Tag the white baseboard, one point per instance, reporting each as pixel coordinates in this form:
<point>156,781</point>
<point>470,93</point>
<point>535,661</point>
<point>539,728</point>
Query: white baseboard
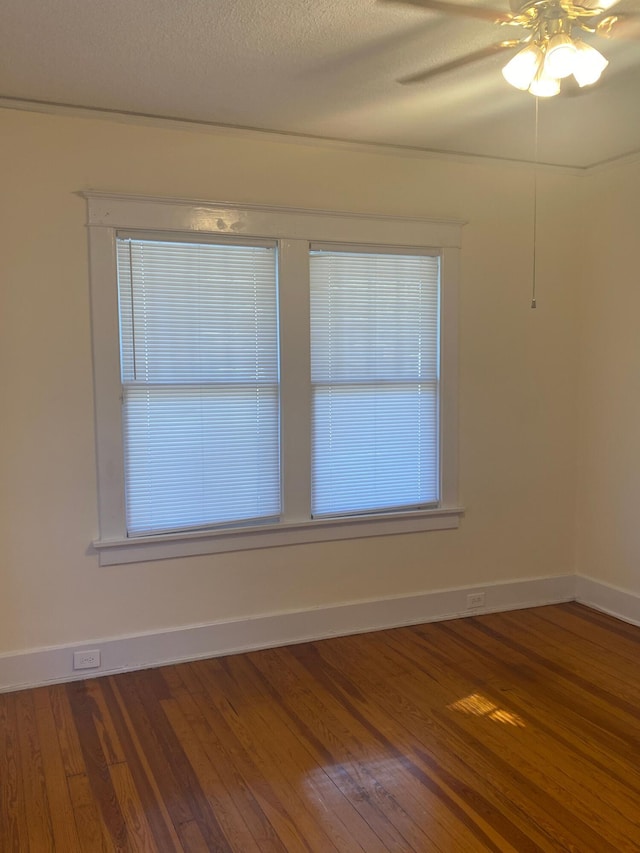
<point>609,599</point>
<point>36,667</point>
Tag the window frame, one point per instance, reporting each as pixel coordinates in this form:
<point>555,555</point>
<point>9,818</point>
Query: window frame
<point>144,344</point>
<point>330,282</point>
<point>295,230</point>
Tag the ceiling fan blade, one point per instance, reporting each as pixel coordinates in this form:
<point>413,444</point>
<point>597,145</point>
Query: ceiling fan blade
<point>459,63</point>
<point>604,5</point>
<point>624,25</point>
<point>493,16</point>
<point>601,5</point>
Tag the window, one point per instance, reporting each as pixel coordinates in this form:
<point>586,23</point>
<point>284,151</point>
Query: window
<point>199,365</point>
<point>374,374</point>
<point>268,376</point>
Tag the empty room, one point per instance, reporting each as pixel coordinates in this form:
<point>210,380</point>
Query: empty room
<point>320,467</point>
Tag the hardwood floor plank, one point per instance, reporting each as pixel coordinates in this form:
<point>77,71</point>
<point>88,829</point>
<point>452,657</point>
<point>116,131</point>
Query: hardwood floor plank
<point>321,734</point>
<point>223,752</point>
<point>572,785</point>
<point>465,804</point>
<point>84,712</point>
<point>61,807</point>
<point>559,793</point>
<point>188,680</point>
<point>506,688</point>
<point>283,748</point>
<point>627,635</point>
<point>515,669</point>
<point>192,839</point>
<point>550,647</point>
<point>174,678</point>
<point>394,803</point>
<point>139,831</point>
<point>513,732</point>
<point>149,790</point>
<point>577,619</point>
<point>468,805</point>
<point>603,765</point>
<point>38,815</point>
<point>454,755</point>
<point>14,836</point>
<point>261,788</point>
<point>282,796</point>
<point>185,801</point>
<point>618,718</point>
<point>606,668</point>
<point>66,730</point>
<point>227,813</point>
<point>107,734</point>
<point>93,834</point>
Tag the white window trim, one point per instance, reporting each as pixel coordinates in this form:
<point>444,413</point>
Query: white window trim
<point>295,230</point>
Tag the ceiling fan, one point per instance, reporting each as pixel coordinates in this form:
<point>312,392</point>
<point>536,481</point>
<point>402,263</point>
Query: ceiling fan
<point>550,50</point>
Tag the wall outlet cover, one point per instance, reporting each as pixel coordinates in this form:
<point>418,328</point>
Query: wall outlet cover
<point>86,659</point>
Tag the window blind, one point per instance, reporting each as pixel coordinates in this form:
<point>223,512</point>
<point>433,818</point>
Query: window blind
<point>200,394</point>
<point>375,379</point>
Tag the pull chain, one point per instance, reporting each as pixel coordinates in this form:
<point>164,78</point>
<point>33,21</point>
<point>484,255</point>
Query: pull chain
<point>535,209</point>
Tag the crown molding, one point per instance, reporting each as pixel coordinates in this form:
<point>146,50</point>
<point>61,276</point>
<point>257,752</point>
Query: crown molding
<point>278,136</point>
<point>629,159</point>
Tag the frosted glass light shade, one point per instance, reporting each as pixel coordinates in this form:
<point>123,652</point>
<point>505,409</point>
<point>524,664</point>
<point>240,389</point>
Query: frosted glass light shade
<point>543,86</point>
<point>560,59</point>
<point>523,67</point>
<point>589,64</point>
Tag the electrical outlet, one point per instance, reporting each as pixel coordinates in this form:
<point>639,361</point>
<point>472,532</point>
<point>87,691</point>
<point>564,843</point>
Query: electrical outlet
<point>87,659</point>
<point>475,599</point>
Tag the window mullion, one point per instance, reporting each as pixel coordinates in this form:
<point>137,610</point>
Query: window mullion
<point>295,388</point>
<point>448,376</point>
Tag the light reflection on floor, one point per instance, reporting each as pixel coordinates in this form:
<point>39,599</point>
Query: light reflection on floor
<point>480,706</point>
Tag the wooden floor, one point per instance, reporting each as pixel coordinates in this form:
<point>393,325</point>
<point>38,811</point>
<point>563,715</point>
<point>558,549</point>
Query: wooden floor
<point>510,732</point>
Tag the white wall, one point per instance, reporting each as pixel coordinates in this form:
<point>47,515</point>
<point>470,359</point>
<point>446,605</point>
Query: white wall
<point>517,388</point>
<point>608,528</point>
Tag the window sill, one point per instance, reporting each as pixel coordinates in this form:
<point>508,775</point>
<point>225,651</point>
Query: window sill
<point>168,546</point>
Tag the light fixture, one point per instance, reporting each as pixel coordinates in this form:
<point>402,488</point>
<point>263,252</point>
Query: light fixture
<point>560,55</point>
<point>547,49</point>
<point>523,67</point>
<point>589,63</point>
<point>544,86</point>
<point>549,57</point>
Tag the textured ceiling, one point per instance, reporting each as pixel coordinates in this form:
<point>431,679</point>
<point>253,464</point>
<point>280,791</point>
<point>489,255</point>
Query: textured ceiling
<point>326,68</point>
